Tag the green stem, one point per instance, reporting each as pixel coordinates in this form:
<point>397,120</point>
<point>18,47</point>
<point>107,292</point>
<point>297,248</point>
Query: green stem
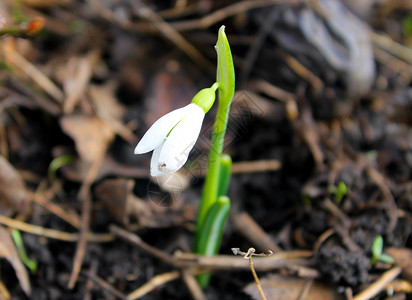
<point>214,207</point>
<point>212,178</point>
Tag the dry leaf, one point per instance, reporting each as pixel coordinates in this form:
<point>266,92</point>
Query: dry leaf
<point>12,189</point>
<point>117,195</point>
<point>77,169</point>
<point>403,258</point>
<point>8,251</point>
<point>90,134</point>
<point>77,74</point>
<point>279,287</point>
<point>110,110</point>
<point>4,293</point>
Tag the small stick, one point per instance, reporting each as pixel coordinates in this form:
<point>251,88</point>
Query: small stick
<point>90,283</point>
<point>303,72</point>
<point>379,284</point>
<point>153,283</point>
<point>386,43</point>
<point>82,242</point>
<point>104,284</point>
<point>52,233</point>
<point>137,241</point>
<point>226,262</point>
<point>305,290</point>
<point>193,286</point>
<point>4,292</point>
<point>256,166</point>
<point>173,35</point>
<point>244,223</point>
<point>13,57</point>
<point>248,255</point>
<point>67,215</point>
<point>85,196</point>
<point>226,12</point>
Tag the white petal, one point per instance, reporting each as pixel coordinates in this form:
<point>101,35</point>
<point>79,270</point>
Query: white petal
<point>181,140</point>
<point>158,131</point>
<point>154,163</point>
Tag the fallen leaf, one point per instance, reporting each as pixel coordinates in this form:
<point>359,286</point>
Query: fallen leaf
<point>278,287</point>
<point>8,251</point>
<point>78,168</point>
<point>403,258</point>
<point>4,293</point>
<point>110,110</point>
<point>78,72</point>
<point>91,135</point>
<point>117,196</point>
<point>13,192</point>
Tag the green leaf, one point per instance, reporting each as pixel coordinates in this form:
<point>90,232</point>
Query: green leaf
<point>31,264</point>
<point>341,191</point>
<point>386,258</point>
<point>407,25</point>
<point>377,247</point>
<point>224,174</point>
<point>57,163</point>
<point>212,231</point>
<point>225,69</point>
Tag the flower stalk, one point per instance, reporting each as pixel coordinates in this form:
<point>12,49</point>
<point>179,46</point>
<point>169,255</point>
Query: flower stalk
<point>215,205</point>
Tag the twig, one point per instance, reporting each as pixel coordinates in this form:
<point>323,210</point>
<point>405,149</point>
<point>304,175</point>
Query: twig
<point>4,148</point>
<point>380,181</point>
<point>256,46</point>
<point>82,242</point>
<point>193,286</point>
<point>173,35</point>
<point>137,241</point>
<point>373,289</point>
<point>69,216</point>
<point>84,195</point>
<point>12,56</point>
<point>331,207</point>
<point>303,72</point>
<point>389,45</point>
<point>272,91</point>
<point>253,232</point>
<point>226,12</point>
<point>54,234</point>
<point>155,282</point>
<point>4,293</point>
<point>90,283</point>
<point>264,165</point>
<point>248,255</point>
<point>226,262</point>
<point>256,166</point>
<point>104,284</point>
<point>305,290</point>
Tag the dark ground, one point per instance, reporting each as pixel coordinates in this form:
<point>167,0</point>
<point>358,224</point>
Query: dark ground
<point>319,94</point>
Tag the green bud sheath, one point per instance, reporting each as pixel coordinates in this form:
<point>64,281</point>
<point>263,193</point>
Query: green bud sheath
<point>206,97</point>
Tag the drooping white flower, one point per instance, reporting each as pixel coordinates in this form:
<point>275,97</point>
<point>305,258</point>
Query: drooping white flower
<point>172,137</point>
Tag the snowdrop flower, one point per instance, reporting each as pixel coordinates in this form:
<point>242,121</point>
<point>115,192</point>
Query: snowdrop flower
<point>173,136</point>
